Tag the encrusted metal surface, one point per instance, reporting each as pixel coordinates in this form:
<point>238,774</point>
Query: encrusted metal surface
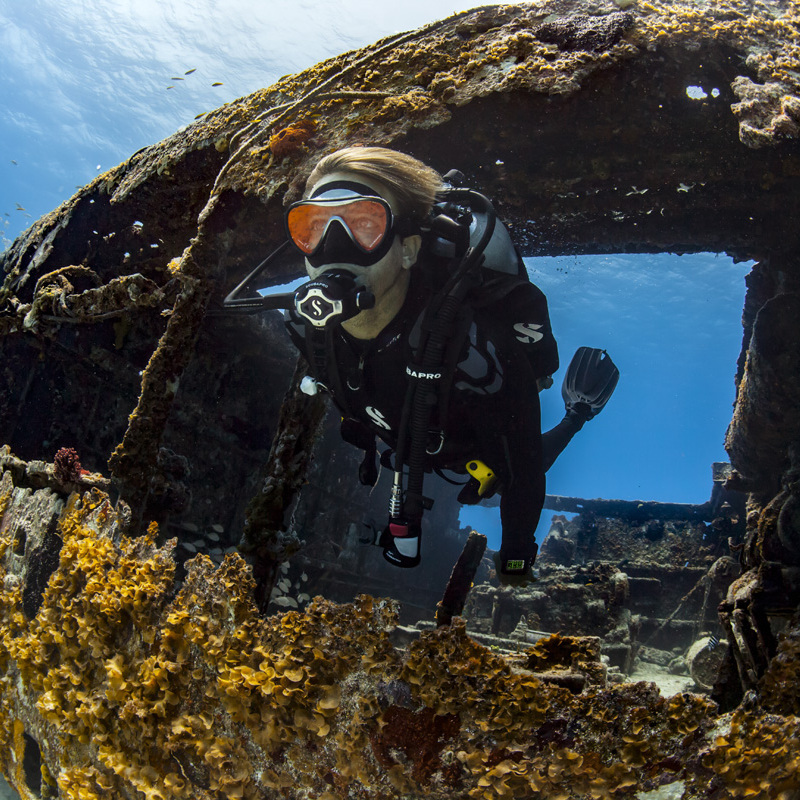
<point>575,116</point>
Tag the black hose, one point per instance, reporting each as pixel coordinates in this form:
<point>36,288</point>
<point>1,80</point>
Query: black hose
<point>423,402</point>
<point>424,394</point>
<point>253,304</point>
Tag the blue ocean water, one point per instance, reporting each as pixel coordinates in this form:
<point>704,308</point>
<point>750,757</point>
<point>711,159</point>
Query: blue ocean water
<point>672,324</point>
<point>87,84</point>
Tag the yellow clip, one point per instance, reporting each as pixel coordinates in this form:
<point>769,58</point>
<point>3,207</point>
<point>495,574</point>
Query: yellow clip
<point>482,474</point>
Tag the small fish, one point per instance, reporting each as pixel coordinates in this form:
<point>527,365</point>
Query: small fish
<point>19,207</point>
<point>218,83</point>
<point>201,114</point>
<point>13,162</point>
<point>178,79</point>
<point>190,71</point>
<point>713,641</point>
<point>170,87</point>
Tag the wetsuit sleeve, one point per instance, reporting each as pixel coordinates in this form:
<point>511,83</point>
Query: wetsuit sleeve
<point>510,442</point>
<point>508,424</point>
<point>525,312</point>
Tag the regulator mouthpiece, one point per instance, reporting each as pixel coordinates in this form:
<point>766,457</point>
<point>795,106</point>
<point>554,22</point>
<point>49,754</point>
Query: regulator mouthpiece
<point>331,299</point>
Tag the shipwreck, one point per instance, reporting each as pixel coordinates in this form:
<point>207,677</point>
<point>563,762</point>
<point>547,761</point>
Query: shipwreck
<point>164,633</point>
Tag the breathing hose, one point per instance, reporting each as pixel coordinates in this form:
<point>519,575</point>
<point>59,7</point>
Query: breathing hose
<point>422,392</point>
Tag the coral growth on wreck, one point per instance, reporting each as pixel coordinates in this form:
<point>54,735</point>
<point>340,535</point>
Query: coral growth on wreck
<point>132,686</point>
<point>289,140</point>
<point>117,681</point>
<point>67,465</point>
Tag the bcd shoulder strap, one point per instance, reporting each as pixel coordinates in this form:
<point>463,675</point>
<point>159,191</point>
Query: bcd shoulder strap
<point>494,287</point>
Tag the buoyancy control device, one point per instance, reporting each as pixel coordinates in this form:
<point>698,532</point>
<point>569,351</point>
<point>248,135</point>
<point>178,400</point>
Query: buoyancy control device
<point>466,248</point>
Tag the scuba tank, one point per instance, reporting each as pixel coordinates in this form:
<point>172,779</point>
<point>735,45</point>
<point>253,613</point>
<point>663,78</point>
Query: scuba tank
<point>458,220</point>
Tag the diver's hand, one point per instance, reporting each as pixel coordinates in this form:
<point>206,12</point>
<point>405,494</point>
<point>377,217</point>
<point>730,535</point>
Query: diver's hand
<point>513,572</point>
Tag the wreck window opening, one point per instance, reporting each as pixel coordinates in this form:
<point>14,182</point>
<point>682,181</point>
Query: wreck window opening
<point>672,324</point>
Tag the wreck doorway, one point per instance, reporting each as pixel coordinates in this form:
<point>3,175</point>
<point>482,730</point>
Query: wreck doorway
<point>673,326</point>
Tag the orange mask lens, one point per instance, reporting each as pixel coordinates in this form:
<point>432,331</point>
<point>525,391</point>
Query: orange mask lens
<point>367,220</point>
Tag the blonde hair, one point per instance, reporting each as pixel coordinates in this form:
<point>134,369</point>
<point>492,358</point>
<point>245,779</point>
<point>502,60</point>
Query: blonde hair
<point>413,184</point>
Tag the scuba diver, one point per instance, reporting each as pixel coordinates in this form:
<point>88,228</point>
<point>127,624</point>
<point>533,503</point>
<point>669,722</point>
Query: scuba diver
<point>422,324</point>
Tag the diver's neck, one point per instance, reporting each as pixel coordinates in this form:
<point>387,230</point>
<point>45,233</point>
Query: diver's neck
<point>368,324</point>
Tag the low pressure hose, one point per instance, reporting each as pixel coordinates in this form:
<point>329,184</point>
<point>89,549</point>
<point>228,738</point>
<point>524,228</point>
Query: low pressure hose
<point>417,415</point>
<point>424,400</point>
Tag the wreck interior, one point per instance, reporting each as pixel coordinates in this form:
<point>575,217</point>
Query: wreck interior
<point>193,437</point>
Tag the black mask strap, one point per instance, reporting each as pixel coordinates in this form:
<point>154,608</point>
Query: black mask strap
<point>350,186</point>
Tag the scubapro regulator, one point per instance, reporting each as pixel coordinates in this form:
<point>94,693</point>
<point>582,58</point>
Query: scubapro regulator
<point>331,299</point>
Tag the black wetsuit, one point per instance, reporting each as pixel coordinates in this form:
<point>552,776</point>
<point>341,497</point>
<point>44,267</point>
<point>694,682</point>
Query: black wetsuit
<point>491,411</point>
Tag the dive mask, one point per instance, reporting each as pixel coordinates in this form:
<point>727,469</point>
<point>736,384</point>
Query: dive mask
<point>342,223</point>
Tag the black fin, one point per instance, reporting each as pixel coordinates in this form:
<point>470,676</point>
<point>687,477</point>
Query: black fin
<point>590,381</point>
